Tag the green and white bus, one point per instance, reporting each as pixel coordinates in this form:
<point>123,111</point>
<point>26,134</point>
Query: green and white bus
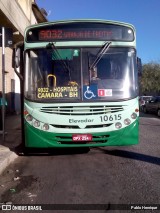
<point>80,84</point>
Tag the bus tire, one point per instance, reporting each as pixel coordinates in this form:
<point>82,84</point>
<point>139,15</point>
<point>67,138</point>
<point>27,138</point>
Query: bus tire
<point>24,152</point>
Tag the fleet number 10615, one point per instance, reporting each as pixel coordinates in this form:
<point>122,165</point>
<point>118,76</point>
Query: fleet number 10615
<point>111,117</point>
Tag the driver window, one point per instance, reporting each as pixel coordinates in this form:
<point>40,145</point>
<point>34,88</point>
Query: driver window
<point>109,68</point>
<point>104,69</point>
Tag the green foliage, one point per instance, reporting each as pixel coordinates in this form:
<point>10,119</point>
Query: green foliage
<point>150,80</point>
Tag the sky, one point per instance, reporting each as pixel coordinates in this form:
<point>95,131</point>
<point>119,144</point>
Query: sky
<point>143,14</point>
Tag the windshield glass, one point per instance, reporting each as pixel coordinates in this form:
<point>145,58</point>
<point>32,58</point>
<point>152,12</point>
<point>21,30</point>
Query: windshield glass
<point>67,74</point>
<point>114,76</point>
<point>53,74</point>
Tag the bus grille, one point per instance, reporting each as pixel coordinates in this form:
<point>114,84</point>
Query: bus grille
<point>81,110</point>
<point>77,127</point>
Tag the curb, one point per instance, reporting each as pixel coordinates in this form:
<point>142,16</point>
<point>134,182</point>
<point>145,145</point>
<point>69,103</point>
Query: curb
<point>6,157</point>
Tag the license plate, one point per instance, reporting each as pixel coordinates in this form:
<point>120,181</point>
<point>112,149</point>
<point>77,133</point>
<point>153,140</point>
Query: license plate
<point>82,137</point>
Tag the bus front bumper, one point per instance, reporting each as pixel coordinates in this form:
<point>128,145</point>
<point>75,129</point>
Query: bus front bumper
<point>35,138</point>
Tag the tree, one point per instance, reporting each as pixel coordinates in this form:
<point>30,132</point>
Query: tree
<point>150,80</point>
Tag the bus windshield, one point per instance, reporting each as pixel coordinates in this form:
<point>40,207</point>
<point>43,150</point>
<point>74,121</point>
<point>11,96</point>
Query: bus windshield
<point>67,74</point>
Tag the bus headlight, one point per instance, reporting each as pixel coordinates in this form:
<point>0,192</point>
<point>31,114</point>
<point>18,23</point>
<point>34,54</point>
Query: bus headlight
<point>29,118</point>
<point>46,127</point>
<point>118,125</point>
<point>36,123</point>
<point>134,115</point>
<point>127,121</point>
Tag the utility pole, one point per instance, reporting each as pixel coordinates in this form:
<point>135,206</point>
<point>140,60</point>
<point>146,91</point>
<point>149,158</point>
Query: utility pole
<point>3,83</point>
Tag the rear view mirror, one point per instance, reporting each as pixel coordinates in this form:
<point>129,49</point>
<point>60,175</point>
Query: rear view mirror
<point>17,59</point>
<point>139,66</point>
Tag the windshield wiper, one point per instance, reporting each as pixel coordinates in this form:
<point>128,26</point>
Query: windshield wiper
<point>51,45</point>
<point>100,54</point>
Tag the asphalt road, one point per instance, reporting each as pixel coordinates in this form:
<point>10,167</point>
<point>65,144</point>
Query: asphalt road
<point>110,175</point>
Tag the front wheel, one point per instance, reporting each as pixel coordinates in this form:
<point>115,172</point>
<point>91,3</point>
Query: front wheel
<point>158,112</point>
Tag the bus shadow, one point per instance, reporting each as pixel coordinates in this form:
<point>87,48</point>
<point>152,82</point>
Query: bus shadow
<point>84,150</point>
<point>132,155</point>
<point>50,151</point>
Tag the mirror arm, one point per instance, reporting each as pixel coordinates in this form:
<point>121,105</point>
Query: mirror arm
<point>19,44</point>
<point>18,74</point>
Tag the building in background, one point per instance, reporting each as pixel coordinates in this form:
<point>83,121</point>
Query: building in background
<point>16,14</point>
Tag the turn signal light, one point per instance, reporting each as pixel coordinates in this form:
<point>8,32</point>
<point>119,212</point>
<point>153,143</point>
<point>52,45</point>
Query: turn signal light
<point>127,121</point>
<point>46,127</point>
<point>118,125</point>
<point>134,115</point>
<point>36,123</point>
<point>29,118</point>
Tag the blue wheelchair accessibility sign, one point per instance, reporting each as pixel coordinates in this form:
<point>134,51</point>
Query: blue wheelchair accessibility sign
<point>90,92</point>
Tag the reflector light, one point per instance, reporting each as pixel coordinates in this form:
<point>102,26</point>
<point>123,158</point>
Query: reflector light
<point>25,112</point>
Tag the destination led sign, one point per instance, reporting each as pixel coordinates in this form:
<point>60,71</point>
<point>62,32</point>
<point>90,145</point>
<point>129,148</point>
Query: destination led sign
<point>45,35</point>
<point>79,32</point>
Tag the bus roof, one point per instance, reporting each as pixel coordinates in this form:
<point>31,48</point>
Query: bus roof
<point>82,20</point>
